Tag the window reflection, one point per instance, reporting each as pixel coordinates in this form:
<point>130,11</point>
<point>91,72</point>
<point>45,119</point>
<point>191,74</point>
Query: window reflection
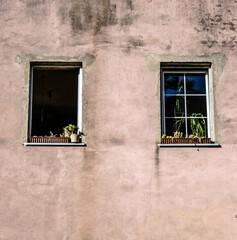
<point>174,83</point>
<point>195,83</point>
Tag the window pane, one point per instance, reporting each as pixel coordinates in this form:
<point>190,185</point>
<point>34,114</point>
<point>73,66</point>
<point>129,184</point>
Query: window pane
<point>196,105</point>
<point>174,106</point>
<point>174,83</point>
<point>195,83</point>
<point>174,124</point>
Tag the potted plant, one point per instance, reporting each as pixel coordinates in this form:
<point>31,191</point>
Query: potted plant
<point>72,130</point>
<point>199,128</point>
<point>49,139</point>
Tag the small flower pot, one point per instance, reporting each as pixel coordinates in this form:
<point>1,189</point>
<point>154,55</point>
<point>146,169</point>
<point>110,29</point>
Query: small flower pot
<point>74,138</point>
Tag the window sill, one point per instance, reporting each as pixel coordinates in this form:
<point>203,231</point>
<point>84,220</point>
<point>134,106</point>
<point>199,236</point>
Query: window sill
<point>55,144</point>
<point>194,145</point>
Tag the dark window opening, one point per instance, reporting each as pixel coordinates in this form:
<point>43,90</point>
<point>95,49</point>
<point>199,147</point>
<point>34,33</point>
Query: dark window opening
<point>54,99</point>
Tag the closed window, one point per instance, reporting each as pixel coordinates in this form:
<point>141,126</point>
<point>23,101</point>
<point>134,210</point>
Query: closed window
<point>186,103</point>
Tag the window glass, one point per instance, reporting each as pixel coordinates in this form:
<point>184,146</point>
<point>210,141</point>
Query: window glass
<point>185,102</point>
<point>175,124</point>
<point>174,83</point>
<point>195,83</point>
<point>196,105</point>
<point>174,106</point>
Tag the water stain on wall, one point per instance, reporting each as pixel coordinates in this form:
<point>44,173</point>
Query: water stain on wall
<point>134,43</point>
<point>128,19</point>
<point>37,10</point>
<point>34,3</point>
<point>217,22</point>
<point>91,15</point>
<point>129,4</point>
<point>80,16</point>
<point>105,17</point>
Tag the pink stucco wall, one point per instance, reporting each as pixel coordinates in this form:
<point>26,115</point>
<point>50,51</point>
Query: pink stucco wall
<point>122,185</point>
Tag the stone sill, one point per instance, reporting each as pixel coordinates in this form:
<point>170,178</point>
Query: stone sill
<point>194,145</point>
<point>55,144</point>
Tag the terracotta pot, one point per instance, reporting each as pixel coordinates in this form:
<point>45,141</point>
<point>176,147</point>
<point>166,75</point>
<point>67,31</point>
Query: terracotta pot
<point>49,139</point>
<point>167,140</point>
<point>185,140</point>
<point>205,140</point>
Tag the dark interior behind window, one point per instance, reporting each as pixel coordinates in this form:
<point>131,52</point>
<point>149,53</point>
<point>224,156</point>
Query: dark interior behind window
<point>54,100</point>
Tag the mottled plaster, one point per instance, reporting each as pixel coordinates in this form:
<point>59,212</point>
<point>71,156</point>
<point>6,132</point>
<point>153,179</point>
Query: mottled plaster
<point>121,185</point>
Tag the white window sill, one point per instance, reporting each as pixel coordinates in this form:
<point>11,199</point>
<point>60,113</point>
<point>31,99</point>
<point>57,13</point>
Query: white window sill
<point>56,144</point>
<point>198,145</point>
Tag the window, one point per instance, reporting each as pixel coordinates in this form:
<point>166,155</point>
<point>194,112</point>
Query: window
<point>186,102</point>
<point>55,98</point>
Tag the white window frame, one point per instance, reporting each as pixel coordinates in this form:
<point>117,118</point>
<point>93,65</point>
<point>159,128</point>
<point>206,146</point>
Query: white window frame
<point>209,102</point>
<point>56,66</point>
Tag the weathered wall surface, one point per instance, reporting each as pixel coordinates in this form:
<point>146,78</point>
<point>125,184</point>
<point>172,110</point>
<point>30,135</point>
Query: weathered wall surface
<point>121,186</point>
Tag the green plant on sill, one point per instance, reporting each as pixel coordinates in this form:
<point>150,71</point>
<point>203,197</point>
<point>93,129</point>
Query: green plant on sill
<point>178,134</point>
<point>71,128</point>
<point>52,135</point>
<point>198,126</point>
<point>177,125</point>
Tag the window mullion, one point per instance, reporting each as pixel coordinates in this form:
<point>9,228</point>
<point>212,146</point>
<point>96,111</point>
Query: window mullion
<point>185,107</point>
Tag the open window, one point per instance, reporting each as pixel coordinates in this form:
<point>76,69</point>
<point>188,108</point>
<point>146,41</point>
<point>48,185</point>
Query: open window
<point>186,103</point>
<point>55,101</point>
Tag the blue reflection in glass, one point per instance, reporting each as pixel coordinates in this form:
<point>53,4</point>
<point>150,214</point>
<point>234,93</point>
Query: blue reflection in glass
<point>174,83</point>
<point>195,83</point>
